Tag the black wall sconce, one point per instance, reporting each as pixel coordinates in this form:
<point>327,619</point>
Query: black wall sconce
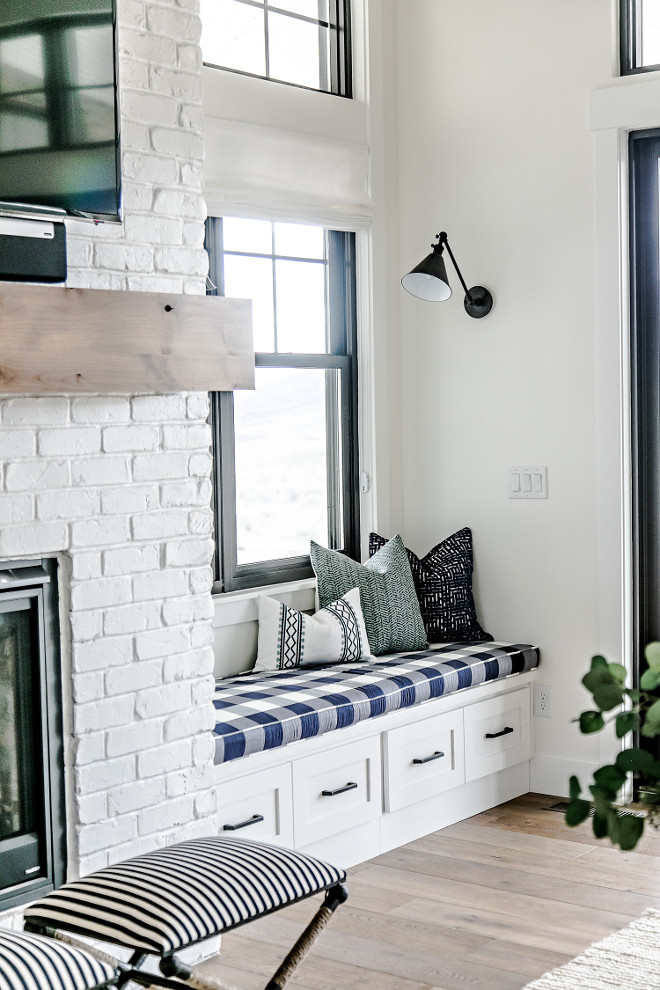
<point>428,280</point>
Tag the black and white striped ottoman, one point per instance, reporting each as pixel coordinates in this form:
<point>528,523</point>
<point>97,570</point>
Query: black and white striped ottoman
<point>164,901</point>
<point>31,962</point>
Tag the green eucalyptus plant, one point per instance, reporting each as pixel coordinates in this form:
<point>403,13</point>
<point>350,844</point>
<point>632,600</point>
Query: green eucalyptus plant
<point>631,710</point>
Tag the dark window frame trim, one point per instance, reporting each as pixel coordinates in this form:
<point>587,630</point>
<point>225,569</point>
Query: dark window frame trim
<point>644,249</point>
<point>629,41</point>
<point>340,74</point>
<point>342,312</point>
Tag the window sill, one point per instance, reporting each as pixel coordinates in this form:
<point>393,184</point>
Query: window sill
<point>235,607</point>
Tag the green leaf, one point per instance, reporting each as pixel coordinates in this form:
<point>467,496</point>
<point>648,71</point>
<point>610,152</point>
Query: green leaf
<point>610,778</point>
<point>634,760</point>
<point>631,828</point>
<point>633,695</point>
<point>650,679</point>
<point>649,731</point>
<point>653,717</point>
<point>652,654</point>
<point>577,812</point>
<point>591,722</point>
<point>613,826</point>
<point>597,678</point>
<point>618,672</point>
<point>598,661</point>
<point>626,722</point>
<point>603,797</point>
<point>608,696</point>
<point>574,788</point>
<point>599,825</point>
<point>649,795</point>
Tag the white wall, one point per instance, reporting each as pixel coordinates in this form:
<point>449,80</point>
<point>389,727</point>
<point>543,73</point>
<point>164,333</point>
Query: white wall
<point>494,148</point>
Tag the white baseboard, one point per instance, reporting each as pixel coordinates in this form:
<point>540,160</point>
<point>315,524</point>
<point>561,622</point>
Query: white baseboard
<point>550,776</point>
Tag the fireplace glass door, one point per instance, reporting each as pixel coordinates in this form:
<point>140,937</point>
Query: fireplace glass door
<point>21,756</point>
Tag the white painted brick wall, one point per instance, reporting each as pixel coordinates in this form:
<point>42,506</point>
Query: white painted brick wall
<point>140,610</point>
<point>119,488</point>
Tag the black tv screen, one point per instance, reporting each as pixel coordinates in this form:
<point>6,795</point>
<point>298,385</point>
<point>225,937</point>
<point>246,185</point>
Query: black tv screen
<point>59,135</point>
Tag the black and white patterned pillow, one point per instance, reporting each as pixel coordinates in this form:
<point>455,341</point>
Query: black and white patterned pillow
<point>443,582</point>
<point>289,638</point>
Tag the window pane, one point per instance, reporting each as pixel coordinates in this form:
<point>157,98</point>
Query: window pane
<point>301,320</point>
<point>253,236</point>
<point>281,464</point>
<point>233,35</point>
<point>91,56</point>
<point>308,8</point>
<point>298,240</point>
<point>650,31</point>
<point>22,64</point>
<point>252,278</point>
<point>294,51</point>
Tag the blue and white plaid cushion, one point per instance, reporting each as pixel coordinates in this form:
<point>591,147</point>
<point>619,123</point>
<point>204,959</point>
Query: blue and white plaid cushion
<point>31,962</point>
<point>259,712</point>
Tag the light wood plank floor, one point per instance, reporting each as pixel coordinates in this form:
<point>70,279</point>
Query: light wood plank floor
<point>490,904</point>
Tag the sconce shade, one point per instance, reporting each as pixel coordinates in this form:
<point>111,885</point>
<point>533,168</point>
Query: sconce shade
<point>428,280</point>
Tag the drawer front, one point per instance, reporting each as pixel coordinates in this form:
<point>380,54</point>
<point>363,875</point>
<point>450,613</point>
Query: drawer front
<point>497,734</point>
<point>258,806</point>
<point>423,759</point>
<point>335,790</point>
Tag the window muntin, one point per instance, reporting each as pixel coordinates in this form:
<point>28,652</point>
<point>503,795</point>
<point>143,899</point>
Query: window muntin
<point>301,42</point>
<point>639,35</point>
<point>286,454</point>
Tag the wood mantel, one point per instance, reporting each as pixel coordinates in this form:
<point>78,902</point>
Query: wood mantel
<point>54,339</point>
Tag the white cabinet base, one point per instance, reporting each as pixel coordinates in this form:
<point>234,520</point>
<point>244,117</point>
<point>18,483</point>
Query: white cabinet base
<point>354,793</point>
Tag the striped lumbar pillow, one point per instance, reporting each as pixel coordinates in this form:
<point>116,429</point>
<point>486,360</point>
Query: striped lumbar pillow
<point>31,962</point>
<point>387,593</point>
<point>288,638</point>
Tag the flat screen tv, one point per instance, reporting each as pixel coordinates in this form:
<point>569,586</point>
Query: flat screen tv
<point>59,130</point>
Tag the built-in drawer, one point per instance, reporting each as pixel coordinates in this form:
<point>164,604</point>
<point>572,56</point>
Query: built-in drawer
<point>335,790</point>
<point>258,806</point>
<point>423,759</point>
<point>497,734</point>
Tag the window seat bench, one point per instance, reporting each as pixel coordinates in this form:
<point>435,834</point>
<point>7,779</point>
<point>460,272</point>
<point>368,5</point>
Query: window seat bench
<point>347,761</point>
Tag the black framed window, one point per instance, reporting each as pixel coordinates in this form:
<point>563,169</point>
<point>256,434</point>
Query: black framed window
<point>645,393</point>
<point>302,42</point>
<point>286,455</point>
<point>639,35</point>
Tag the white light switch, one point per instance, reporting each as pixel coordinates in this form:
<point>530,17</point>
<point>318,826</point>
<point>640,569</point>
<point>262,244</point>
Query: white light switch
<point>528,482</point>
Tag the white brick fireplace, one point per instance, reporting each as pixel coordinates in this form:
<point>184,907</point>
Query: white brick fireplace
<point>118,489</point>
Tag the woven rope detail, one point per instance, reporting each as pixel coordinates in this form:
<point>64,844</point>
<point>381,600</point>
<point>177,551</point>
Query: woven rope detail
<point>85,947</point>
<point>293,959</point>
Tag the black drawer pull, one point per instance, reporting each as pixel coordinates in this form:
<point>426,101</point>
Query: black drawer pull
<point>427,759</point>
<point>250,821</point>
<point>496,735</point>
<point>350,786</point>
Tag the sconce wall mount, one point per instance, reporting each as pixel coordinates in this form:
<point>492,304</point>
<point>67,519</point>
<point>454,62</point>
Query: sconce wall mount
<point>428,280</point>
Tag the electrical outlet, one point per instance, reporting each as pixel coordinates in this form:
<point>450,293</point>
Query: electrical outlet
<point>543,700</point>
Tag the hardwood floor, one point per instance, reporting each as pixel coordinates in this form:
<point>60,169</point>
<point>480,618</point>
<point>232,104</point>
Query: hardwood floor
<point>490,903</point>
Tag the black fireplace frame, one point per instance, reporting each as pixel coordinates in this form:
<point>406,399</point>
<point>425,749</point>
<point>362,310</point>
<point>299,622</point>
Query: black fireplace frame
<point>37,579</point>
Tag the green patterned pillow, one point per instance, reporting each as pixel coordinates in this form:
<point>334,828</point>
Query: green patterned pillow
<point>387,593</point>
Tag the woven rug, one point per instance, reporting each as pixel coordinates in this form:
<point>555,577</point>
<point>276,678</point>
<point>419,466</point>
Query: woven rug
<point>629,958</point>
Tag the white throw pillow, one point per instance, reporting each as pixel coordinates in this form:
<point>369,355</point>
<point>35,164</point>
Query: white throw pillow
<point>289,639</point>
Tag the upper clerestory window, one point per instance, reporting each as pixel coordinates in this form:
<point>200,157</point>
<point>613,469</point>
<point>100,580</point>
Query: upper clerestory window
<point>301,42</point>
<point>639,35</point>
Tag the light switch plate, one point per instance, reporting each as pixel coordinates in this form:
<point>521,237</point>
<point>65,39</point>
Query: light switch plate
<point>528,481</point>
